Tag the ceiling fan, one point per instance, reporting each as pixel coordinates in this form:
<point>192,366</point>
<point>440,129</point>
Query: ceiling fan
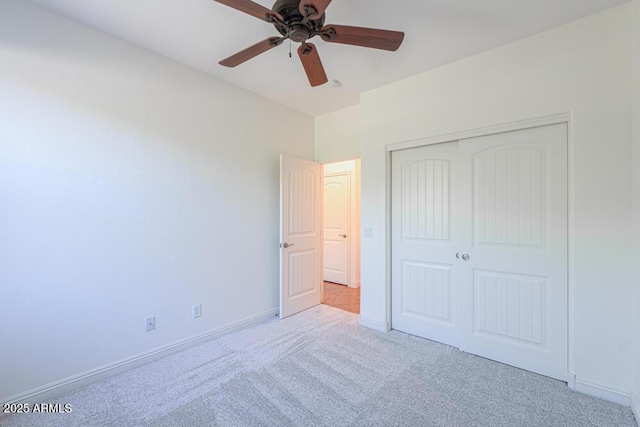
<point>299,21</point>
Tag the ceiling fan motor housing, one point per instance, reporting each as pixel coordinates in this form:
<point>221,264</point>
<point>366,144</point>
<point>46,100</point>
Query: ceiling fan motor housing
<point>291,16</point>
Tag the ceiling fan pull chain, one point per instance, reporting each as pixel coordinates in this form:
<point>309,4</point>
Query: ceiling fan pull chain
<point>290,49</point>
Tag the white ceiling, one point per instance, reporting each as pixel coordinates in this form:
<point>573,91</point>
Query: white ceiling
<point>199,33</point>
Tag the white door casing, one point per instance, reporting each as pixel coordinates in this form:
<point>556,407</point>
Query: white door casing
<point>300,235</point>
<point>337,233</point>
<point>502,270</point>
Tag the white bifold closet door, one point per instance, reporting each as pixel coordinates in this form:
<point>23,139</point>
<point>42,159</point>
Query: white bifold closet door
<point>479,246</point>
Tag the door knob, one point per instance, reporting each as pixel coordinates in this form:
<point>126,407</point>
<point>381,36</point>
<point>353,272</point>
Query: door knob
<point>466,257</point>
<point>286,245</point>
<point>458,255</point>
<point>343,235</point>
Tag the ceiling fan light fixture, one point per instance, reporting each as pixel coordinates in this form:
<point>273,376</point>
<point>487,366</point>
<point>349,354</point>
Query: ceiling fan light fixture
<point>301,20</point>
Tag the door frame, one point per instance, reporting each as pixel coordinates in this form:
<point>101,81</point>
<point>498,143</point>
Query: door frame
<point>559,118</point>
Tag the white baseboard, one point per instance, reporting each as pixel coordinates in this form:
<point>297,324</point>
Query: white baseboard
<point>571,380</point>
<point>603,392</point>
<point>56,388</point>
<point>374,324</point>
<point>635,406</point>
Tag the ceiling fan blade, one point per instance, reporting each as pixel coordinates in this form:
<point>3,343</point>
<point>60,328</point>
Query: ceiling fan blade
<point>312,65</point>
<point>365,37</point>
<point>251,52</point>
<point>319,5</point>
<point>247,6</point>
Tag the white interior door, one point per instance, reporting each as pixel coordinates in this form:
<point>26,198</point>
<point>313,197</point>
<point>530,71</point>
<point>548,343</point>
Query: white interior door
<point>424,242</point>
<point>300,235</point>
<point>513,190</point>
<point>336,227</point>
<point>479,246</point>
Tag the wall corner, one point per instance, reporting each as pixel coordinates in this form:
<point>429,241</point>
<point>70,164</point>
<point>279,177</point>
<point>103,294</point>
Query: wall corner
<point>635,406</point>
<point>374,324</point>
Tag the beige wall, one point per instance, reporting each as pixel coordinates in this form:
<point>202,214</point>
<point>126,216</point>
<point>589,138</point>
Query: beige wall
<point>636,164</point>
<point>583,68</point>
<point>130,186</point>
<point>338,135</point>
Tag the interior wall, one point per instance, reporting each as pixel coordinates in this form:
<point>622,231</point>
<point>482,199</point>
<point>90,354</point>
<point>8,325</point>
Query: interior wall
<point>130,186</point>
<point>338,135</point>
<point>636,189</point>
<point>583,68</point>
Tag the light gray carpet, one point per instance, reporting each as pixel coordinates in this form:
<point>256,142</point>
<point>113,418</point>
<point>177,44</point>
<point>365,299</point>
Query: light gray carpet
<point>321,368</point>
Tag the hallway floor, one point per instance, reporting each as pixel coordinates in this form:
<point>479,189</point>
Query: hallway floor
<point>342,297</point>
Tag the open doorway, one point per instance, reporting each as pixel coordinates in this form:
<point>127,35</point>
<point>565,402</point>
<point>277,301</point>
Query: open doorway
<point>341,245</point>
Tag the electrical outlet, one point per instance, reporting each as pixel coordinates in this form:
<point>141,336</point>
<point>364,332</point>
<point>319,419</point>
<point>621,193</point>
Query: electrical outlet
<point>196,311</point>
<point>150,323</point>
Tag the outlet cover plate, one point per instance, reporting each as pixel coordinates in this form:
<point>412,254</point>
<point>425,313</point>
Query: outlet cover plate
<point>196,311</point>
<point>150,323</point>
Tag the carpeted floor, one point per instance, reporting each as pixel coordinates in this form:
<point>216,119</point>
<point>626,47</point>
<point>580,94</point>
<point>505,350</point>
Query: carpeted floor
<point>320,368</point>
